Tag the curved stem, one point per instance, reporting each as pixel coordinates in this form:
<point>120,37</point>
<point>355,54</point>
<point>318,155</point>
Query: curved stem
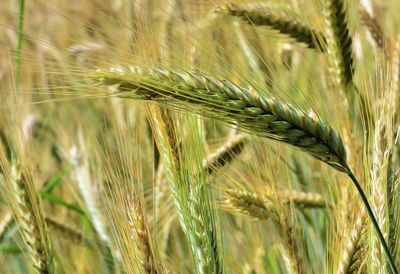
<point>374,222</point>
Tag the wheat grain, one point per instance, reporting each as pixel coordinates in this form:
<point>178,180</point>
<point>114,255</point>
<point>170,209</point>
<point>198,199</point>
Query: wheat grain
<point>221,99</point>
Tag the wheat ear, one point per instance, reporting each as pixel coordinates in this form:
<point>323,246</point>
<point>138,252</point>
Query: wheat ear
<point>140,232</point>
<point>302,199</point>
<point>250,204</point>
<point>88,197</point>
<point>260,205</point>
<point>225,153</point>
<point>262,208</point>
<point>190,192</point>
<point>373,28</point>
<point>29,215</point>
<point>339,42</point>
<point>69,232</point>
<point>221,99</point>
<point>352,257</point>
<point>284,23</point>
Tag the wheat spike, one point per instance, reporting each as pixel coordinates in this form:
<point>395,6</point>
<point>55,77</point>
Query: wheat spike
<point>190,193</point>
<point>339,42</point>
<point>221,99</point>
<point>352,257</point>
<point>140,232</point>
<point>250,204</point>
<point>302,199</point>
<point>260,205</point>
<point>28,213</point>
<point>224,154</point>
<point>277,20</point>
<point>373,28</point>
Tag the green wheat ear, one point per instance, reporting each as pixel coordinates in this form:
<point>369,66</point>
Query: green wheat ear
<point>279,20</point>
<point>258,114</point>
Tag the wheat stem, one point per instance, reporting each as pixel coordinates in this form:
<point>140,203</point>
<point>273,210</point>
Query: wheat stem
<point>374,223</point>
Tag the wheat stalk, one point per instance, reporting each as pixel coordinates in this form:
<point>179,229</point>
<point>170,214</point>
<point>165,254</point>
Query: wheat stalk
<point>283,22</point>
<point>221,99</point>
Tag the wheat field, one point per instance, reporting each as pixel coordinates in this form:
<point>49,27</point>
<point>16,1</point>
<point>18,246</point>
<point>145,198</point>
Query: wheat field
<point>200,136</point>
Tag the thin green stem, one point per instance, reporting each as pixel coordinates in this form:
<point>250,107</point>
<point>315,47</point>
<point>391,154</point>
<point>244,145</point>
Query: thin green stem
<point>20,37</point>
<point>374,222</point>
